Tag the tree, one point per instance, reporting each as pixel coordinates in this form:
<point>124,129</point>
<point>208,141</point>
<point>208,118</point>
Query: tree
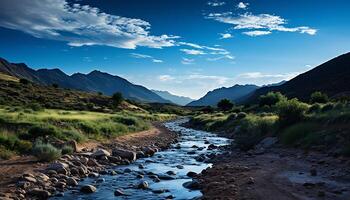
<point>318,97</point>
<point>271,98</point>
<point>225,104</point>
<point>55,85</point>
<point>117,99</point>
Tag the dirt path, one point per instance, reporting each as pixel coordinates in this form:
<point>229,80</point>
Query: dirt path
<point>11,170</point>
<point>277,174</point>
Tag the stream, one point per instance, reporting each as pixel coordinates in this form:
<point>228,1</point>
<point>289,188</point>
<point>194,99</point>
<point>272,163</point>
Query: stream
<point>171,166</point>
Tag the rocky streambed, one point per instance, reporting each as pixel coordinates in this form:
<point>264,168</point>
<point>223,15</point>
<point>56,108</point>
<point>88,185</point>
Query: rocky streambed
<point>146,173</point>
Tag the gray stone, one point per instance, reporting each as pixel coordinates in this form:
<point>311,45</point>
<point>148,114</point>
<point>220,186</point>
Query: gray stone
<point>39,193</point>
<point>88,189</point>
<point>72,182</point>
<point>193,185</point>
<point>100,153</point>
<point>125,154</point>
<point>142,185</point>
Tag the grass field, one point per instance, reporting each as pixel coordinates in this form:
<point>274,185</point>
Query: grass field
<point>21,126</point>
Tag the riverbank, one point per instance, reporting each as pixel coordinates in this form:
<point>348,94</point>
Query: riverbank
<point>24,177</point>
<point>276,174</point>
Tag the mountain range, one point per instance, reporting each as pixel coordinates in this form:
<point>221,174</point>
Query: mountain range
<point>233,93</point>
<point>94,81</point>
<point>331,77</point>
<point>179,100</point>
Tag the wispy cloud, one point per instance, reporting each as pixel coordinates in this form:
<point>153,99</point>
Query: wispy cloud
<point>79,25</point>
<point>221,57</point>
<point>165,78</point>
<point>187,61</point>
<point>144,56</point>
<point>260,22</point>
<point>216,3</point>
<point>225,35</point>
<point>257,33</point>
<point>193,51</point>
<point>242,5</point>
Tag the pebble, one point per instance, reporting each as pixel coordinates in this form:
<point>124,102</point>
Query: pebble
<point>88,189</point>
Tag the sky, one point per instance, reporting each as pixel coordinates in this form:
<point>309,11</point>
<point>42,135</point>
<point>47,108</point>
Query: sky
<point>186,47</point>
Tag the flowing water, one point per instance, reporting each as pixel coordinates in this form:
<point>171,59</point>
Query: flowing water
<point>180,159</point>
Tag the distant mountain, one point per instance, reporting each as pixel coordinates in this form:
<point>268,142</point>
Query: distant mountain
<point>179,100</point>
<point>233,93</point>
<point>331,77</point>
<point>95,81</point>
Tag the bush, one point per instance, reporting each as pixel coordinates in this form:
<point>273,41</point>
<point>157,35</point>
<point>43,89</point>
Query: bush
<point>42,131</point>
<point>117,99</point>
<point>55,85</point>
<point>318,97</point>
<point>327,107</point>
<point>129,121</point>
<point>24,146</point>
<point>73,135</point>
<point>290,111</point>
<point>46,152</point>
<point>293,134</point>
<point>315,108</point>
<point>67,150</point>
<point>5,153</point>
<point>241,115</point>
<point>271,98</point>
<point>207,109</point>
<point>225,104</point>
<point>36,107</point>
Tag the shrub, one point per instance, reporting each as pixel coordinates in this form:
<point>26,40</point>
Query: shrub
<point>74,135</point>
<point>36,107</point>
<point>129,121</point>
<point>42,131</point>
<point>290,111</point>
<point>24,146</point>
<point>271,98</point>
<point>225,104</point>
<point>327,107</point>
<point>241,115</point>
<point>8,141</point>
<point>295,133</point>
<point>117,99</point>
<point>315,108</point>
<point>207,109</point>
<point>67,150</point>
<point>46,152</point>
<point>55,85</point>
<point>318,97</point>
<point>5,153</point>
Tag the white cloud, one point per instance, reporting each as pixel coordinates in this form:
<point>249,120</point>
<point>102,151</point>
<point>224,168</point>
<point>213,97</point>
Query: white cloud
<point>261,22</point>
<point>225,35</point>
<point>143,56</point>
<point>259,75</point>
<point>257,33</point>
<point>165,78</point>
<point>193,51</point>
<point>187,61</point>
<point>242,5</point>
<point>78,25</point>
<point>216,3</point>
<point>221,57</point>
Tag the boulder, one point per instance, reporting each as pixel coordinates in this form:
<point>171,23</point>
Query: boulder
<point>125,154</point>
<point>57,165</point>
<point>148,151</point>
<point>142,185</point>
<point>39,193</point>
<point>88,189</point>
<point>193,185</point>
<point>119,192</point>
<point>100,153</point>
<point>72,182</point>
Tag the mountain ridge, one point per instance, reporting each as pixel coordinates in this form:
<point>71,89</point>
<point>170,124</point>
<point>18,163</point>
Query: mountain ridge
<point>179,100</point>
<point>94,81</point>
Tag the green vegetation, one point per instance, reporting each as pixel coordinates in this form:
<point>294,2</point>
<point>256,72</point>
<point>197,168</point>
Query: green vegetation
<point>320,126</point>
<point>46,152</point>
<point>21,127</point>
<point>225,105</point>
<point>318,97</point>
<point>117,99</point>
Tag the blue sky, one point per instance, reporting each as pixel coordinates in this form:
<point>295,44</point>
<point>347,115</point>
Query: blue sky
<point>184,47</point>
